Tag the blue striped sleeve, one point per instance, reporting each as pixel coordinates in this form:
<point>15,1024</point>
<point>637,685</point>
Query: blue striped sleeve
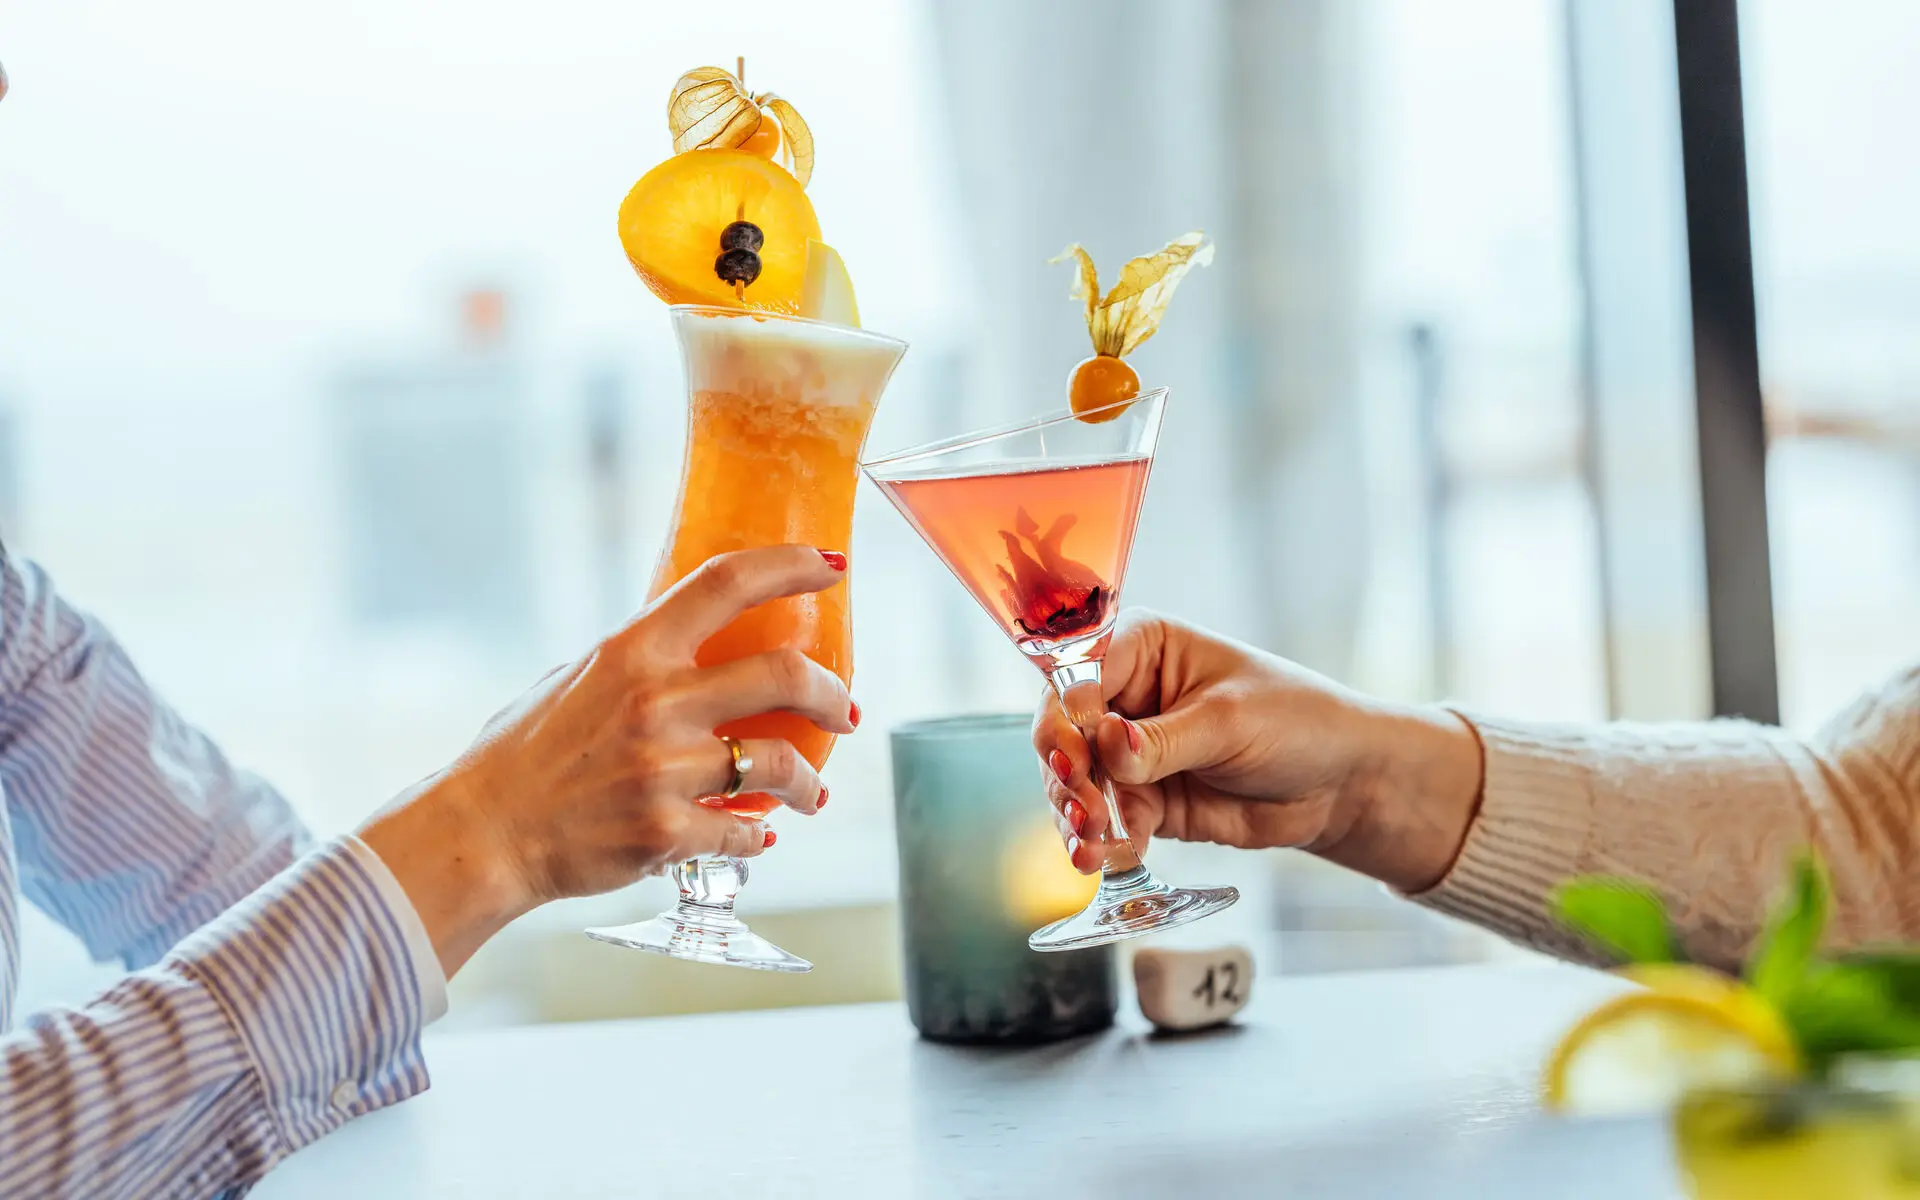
<point>315,973</point>
<point>132,828</point>
<point>293,1012</point>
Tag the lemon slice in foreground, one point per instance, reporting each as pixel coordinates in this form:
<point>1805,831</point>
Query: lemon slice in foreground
<point>1643,1051</point>
<point>827,294</point>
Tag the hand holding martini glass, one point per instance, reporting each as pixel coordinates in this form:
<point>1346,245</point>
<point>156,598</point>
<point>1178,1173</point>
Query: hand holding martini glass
<point>1037,521</point>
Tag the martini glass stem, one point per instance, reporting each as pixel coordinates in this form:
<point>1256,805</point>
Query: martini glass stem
<point>1078,684</point>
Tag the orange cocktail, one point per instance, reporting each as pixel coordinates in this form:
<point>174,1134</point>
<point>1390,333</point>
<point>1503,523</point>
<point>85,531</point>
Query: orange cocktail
<point>778,409</point>
<point>781,386</point>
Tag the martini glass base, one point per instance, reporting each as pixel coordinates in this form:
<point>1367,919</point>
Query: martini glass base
<point>704,935</point>
<point>1129,904</point>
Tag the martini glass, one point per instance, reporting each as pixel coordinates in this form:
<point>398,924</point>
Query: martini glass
<point>1037,521</point>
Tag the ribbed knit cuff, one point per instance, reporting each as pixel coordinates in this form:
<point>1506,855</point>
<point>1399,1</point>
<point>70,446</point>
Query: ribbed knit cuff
<point>1530,834</point>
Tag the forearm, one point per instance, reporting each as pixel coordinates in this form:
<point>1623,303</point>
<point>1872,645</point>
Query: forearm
<point>1706,813</point>
<point>433,842</point>
<point>264,1030</point>
<point>1411,800</point>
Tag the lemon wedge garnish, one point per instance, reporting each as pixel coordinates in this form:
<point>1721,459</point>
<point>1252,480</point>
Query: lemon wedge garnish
<point>1643,1051</point>
<point>827,294</point>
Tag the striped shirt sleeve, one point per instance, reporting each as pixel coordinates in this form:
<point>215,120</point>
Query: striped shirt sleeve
<point>283,989</point>
<point>283,1018</point>
<point>132,829</point>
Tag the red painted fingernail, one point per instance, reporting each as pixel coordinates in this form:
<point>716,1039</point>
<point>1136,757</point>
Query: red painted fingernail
<point>769,840</point>
<point>1076,817</point>
<point>822,801</point>
<point>835,559</point>
<point>1133,735</point>
<point>853,714</point>
<point>1061,764</point>
<point>1073,848</point>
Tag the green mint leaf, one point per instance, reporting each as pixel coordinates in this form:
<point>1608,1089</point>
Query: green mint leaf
<point>1792,934</point>
<point>1621,917</point>
<point>1897,968</point>
<point>1849,1008</point>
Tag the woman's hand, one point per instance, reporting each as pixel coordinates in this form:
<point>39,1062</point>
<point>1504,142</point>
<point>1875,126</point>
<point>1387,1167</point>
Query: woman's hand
<point>591,780</point>
<point>1213,741</point>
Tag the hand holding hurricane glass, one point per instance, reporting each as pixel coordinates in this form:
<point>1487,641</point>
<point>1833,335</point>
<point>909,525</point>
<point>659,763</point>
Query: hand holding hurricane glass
<point>778,410</point>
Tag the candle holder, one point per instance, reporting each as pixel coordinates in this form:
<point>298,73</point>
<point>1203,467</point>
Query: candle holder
<point>981,867</point>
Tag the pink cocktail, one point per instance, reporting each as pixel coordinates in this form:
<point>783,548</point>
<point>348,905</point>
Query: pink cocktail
<point>1041,548</point>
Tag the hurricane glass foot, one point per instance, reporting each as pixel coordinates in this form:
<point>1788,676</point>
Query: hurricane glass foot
<point>702,926</point>
<point>709,937</point>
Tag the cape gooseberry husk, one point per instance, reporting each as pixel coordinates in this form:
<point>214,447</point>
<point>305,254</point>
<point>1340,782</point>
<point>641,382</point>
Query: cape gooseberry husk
<point>1119,322</point>
<point>1128,315</point>
<point>710,109</point>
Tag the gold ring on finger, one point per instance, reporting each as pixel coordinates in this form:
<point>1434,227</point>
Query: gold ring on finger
<point>742,764</point>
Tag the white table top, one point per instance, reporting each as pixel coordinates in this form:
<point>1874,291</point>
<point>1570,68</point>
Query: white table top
<point>1386,1085</point>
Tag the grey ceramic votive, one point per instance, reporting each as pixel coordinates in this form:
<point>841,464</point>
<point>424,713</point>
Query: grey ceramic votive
<point>981,867</point>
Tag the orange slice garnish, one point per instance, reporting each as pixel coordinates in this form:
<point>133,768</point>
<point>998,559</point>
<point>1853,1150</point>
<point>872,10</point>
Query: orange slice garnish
<point>670,225</point>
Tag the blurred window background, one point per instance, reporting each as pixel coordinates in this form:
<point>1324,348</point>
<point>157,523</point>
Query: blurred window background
<point>323,378</point>
<point>1837,269</point>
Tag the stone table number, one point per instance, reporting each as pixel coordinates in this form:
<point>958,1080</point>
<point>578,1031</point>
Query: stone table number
<point>1182,990</point>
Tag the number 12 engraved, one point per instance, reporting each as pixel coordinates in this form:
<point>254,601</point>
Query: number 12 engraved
<point>1213,993</point>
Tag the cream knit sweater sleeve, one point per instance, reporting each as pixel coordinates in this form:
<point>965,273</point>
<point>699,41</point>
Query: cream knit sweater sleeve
<point>1708,814</point>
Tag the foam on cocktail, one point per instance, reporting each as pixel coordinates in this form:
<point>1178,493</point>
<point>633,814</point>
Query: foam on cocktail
<point>805,363</point>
